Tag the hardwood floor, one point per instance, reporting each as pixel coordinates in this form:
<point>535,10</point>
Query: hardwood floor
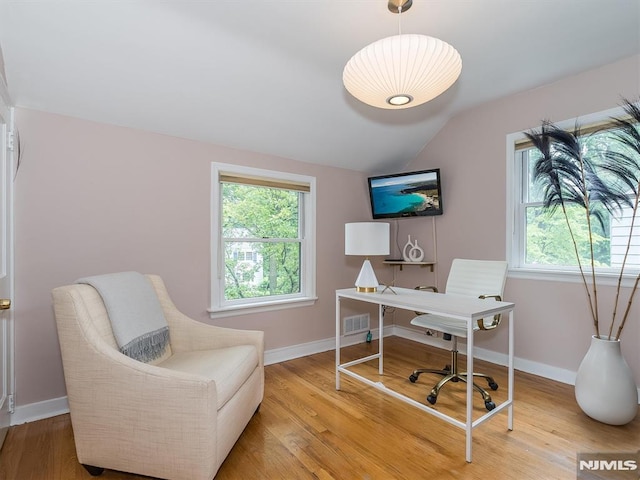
<point>305,429</point>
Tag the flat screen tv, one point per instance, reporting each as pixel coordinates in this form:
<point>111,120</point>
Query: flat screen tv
<point>410,194</point>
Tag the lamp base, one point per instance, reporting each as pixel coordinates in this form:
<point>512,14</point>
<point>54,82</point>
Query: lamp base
<point>367,281</point>
<point>366,289</point>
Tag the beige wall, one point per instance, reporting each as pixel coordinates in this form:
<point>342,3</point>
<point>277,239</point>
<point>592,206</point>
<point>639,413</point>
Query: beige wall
<point>93,198</point>
<point>553,325</point>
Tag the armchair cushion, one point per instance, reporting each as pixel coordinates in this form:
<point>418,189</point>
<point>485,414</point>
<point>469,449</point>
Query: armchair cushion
<point>228,367</point>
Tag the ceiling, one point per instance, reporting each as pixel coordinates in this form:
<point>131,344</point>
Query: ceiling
<point>266,75</point>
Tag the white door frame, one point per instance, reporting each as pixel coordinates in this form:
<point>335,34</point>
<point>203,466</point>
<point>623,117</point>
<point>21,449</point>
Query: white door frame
<point>7,145</point>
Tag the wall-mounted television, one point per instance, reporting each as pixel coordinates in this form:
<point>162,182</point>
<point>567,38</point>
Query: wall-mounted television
<point>409,194</point>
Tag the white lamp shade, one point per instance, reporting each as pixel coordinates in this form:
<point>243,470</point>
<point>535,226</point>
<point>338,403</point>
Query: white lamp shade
<point>366,238</point>
<point>402,71</point>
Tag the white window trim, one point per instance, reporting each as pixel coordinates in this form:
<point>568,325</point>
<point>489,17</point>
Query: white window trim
<point>514,240</point>
<point>307,296</point>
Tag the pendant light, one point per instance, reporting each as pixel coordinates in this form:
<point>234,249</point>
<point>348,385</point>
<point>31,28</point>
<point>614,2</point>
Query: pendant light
<point>402,71</point>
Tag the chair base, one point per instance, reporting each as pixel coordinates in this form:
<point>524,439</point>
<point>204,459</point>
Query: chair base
<point>450,373</point>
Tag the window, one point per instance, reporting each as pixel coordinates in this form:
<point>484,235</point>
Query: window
<point>540,242</point>
<point>263,240</point>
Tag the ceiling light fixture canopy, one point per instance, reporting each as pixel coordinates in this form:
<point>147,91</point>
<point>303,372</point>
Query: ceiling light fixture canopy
<point>402,71</point>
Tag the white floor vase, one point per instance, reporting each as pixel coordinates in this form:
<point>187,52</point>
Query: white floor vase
<point>605,386</point>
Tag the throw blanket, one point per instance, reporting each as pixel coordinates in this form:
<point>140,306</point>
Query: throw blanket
<point>137,320</point>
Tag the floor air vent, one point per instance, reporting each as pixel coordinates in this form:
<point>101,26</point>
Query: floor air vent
<point>356,323</point>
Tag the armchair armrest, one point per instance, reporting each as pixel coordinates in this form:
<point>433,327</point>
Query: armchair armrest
<point>188,334</point>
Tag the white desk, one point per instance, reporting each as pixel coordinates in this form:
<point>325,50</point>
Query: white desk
<point>454,306</point>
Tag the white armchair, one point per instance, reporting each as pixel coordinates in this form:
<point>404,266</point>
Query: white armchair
<point>176,417</point>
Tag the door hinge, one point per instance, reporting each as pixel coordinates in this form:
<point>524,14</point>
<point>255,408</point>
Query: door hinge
<point>10,140</point>
<point>12,404</point>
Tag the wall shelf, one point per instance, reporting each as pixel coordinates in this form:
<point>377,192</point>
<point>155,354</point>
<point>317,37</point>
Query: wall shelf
<point>402,263</point>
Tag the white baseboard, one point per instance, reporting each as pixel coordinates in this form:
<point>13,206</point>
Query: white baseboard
<point>553,373</point>
<point>278,355</point>
<point>59,406</point>
<point>522,364</point>
<point>39,410</point>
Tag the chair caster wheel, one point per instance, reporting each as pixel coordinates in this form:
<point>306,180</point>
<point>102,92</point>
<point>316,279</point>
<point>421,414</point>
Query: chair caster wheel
<point>489,405</point>
<point>413,378</point>
<point>493,385</point>
<point>432,399</point>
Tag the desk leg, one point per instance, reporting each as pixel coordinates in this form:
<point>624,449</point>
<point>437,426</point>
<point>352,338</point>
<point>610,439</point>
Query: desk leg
<point>511,374</point>
<point>380,336</point>
<point>469,425</point>
<point>338,332</point>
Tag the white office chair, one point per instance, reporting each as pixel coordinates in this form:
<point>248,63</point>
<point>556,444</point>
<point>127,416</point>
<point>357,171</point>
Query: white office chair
<point>477,278</point>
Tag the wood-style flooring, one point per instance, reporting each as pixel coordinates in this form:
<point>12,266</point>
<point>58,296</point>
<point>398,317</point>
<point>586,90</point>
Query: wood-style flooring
<point>305,429</point>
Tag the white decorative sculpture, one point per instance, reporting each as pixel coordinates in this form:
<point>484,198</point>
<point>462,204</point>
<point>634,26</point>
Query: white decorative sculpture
<point>412,252</point>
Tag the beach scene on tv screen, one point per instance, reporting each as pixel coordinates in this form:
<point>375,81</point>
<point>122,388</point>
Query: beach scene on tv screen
<point>413,194</point>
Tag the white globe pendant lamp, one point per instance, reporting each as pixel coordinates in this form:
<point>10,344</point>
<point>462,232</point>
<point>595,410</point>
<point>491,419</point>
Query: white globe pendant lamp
<point>402,71</point>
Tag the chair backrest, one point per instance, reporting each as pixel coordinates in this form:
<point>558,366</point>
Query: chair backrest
<point>477,277</point>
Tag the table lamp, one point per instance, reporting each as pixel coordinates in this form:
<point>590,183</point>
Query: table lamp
<point>366,239</point>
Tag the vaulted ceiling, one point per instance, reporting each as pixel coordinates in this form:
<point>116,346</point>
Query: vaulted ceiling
<point>266,75</point>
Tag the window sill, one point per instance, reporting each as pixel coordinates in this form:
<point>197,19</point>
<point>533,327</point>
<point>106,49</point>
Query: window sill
<point>570,276</point>
<point>222,312</point>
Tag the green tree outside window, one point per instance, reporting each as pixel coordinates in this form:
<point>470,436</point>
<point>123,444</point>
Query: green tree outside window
<point>262,241</point>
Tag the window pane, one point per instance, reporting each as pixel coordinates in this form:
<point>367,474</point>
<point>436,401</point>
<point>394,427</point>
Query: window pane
<point>544,239</point>
<point>620,228</point>
<point>259,212</point>
<point>260,269</point>
<point>533,191</point>
<point>548,240</point>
